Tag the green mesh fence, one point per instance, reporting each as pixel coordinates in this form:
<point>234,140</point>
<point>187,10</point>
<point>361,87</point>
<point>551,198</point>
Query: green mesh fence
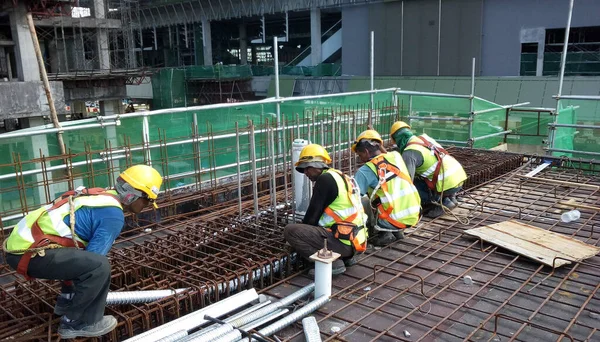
<point>490,121</point>
<point>444,118</point>
<point>188,146</point>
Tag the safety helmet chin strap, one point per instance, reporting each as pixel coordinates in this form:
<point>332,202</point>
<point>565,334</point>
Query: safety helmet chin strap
<point>127,194</point>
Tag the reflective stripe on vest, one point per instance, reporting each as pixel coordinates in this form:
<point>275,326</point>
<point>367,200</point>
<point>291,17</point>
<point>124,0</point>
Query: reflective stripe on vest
<point>51,222</point>
<point>346,205</point>
<point>451,174</point>
<point>399,198</point>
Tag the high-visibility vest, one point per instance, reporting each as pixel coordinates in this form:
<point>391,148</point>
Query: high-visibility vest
<point>347,210</point>
<point>398,201</point>
<point>50,219</point>
<point>439,177</point>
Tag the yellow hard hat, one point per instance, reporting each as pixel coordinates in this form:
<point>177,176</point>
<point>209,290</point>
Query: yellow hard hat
<point>145,179</point>
<point>369,134</point>
<point>313,154</point>
<point>398,125</point>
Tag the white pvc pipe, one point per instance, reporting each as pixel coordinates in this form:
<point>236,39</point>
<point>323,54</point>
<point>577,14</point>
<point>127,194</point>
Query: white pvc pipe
<point>322,279</point>
<point>196,318</point>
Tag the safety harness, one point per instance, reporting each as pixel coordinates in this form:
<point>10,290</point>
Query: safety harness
<point>346,229</point>
<point>44,241</point>
<point>439,153</point>
<point>385,173</point>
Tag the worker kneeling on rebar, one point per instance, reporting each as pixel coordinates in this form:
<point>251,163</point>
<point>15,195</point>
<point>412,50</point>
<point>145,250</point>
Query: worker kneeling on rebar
<point>88,221</point>
<point>438,175</point>
<point>334,213</point>
<point>390,190</point>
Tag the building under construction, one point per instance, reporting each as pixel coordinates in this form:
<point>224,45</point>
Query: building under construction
<point>516,260</point>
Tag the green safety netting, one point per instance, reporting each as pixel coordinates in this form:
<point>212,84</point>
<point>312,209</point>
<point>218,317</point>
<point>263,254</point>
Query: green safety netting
<point>172,146</point>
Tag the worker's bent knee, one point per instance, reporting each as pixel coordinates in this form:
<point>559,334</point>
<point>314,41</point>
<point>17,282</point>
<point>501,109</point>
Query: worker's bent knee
<point>290,231</point>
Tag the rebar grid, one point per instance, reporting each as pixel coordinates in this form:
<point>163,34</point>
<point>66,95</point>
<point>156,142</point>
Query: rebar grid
<point>439,285</point>
<point>213,255</point>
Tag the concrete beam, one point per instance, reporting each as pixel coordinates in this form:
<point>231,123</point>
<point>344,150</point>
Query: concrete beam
<point>28,99</point>
<point>77,22</point>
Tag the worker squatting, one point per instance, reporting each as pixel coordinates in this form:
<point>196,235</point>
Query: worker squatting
<point>68,239</point>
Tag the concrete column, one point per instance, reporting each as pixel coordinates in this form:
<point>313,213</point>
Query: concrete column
<point>315,36</point>
<point>102,37</point>
<point>243,44</point>
<point>207,42</point>
<point>27,67</point>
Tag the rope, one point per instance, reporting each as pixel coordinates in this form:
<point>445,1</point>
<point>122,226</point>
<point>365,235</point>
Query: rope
<point>72,219</point>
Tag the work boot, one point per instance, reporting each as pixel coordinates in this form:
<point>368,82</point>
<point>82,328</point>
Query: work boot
<point>350,262</point>
<point>399,235</point>
<point>383,239</point>
<point>436,211</point>
<point>337,267</point>
<point>454,200</point>
<point>62,304</point>
<point>76,328</point>
<point>448,203</point>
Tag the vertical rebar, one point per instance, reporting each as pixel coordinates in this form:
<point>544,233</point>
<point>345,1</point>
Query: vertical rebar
<point>239,173</point>
<point>273,175</point>
<point>253,166</point>
<point>471,101</point>
<point>284,155</point>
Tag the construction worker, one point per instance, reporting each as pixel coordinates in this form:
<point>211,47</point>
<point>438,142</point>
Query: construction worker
<point>438,174</point>
<point>88,221</point>
<point>335,212</point>
<point>385,179</point>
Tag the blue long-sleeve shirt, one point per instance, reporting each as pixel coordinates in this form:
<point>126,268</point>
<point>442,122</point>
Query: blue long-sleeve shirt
<point>100,226</point>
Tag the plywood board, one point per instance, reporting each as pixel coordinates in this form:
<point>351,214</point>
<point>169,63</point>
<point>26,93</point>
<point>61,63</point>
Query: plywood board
<point>535,243</point>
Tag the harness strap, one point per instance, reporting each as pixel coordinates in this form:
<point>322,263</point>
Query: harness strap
<point>437,151</point>
<point>42,240</point>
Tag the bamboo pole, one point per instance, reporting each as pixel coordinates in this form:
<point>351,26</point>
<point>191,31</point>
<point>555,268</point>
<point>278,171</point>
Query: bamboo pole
<point>46,83</point>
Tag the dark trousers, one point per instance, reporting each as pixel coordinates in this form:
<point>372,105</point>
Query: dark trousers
<point>427,196</point>
<point>89,272</point>
<point>307,240</point>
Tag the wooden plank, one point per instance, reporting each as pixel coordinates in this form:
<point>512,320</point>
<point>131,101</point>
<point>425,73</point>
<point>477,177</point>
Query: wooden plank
<point>575,204</point>
<point>535,243</point>
<point>563,183</point>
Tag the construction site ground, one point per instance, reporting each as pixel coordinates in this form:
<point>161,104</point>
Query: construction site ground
<point>437,284</point>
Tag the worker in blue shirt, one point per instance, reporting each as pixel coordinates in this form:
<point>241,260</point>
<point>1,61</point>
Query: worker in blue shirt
<point>48,244</point>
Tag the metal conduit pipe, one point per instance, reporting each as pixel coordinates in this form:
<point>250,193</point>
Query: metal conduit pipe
<point>196,318</point>
<point>253,316</point>
<point>235,335</point>
<point>296,315</point>
<point>236,316</point>
<point>311,329</point>
<point>133,297</point>
<point>175,337</point>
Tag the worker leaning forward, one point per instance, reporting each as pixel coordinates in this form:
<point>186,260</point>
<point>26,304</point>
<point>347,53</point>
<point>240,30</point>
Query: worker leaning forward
<point>438,174</point>
<point>34,247</point>
<point>335,212</point>
<point>391,193</point>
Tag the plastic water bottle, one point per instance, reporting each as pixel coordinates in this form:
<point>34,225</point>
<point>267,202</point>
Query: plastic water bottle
<point>570,216</point>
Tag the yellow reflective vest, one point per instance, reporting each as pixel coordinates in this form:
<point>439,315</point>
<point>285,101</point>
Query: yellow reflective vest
<point>347,207</point>
<point>399,201</point>
<point>450,175</point>
<point>51,222</point>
